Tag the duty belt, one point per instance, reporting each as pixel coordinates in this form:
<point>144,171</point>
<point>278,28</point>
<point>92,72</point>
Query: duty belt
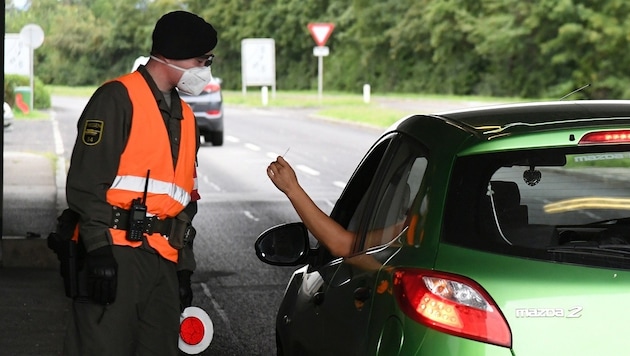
<point>178,230</point>
<point>120,221</point>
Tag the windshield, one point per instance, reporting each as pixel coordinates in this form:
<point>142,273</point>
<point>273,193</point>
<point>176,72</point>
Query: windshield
<point>550,204</point>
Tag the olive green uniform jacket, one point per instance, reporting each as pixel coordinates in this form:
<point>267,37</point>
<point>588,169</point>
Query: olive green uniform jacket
<point>93,167</point>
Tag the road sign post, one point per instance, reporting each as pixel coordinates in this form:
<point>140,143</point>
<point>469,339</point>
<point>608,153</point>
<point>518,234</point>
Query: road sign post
<point>258,63</point>
<point>32,36</point>
<point>320,33</point>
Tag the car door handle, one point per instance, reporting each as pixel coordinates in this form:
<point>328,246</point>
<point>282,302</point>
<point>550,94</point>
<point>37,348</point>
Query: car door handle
<point>362,294</point>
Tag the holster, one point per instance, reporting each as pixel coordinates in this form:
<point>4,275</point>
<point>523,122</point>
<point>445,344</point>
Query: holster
<point>182,232</point>
<point>70,253</point>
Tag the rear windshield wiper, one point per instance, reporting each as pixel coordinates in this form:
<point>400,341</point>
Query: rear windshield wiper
<point>607,250</point>
<point>608,222</point>
<point>601,223</point>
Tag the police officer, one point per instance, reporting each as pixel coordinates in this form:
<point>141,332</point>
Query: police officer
<point>132,182</point>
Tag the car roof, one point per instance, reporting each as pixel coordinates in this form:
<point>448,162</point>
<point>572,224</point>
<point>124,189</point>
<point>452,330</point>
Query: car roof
<point>538,116</point>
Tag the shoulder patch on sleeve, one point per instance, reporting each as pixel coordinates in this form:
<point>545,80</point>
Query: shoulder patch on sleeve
<point>92,132</point>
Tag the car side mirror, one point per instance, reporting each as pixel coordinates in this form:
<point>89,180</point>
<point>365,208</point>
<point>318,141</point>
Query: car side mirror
<point>284,245</point>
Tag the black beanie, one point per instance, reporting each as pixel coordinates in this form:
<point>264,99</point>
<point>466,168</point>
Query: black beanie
<point>183,35</point>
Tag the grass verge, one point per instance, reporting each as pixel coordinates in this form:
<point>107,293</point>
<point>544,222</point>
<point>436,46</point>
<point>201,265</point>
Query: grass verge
<point>334,105</point>
<point>32,115</point>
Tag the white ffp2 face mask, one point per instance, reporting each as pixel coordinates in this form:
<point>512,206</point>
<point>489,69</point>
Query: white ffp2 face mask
<point>193,80</point>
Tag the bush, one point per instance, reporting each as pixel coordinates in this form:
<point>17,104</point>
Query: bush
<point>41,100</point>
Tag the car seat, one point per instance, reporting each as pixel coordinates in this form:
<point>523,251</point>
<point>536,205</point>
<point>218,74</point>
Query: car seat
<point>510,219</point>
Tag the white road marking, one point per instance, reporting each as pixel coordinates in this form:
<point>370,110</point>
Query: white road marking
<point>56,135</point>
<point>262,112</point>
<point>60,164</point>
<point>273,156</point>
<point>252,147</point>
<point>331,204</point>
<point>592,215</point>
<point>250,216</point>
<point>211,184</point>
<point>220,311</point>
<point>307,170</point>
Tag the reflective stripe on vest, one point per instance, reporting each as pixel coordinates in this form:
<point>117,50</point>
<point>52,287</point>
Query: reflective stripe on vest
<point>148,147</point>
<point>154,187</point>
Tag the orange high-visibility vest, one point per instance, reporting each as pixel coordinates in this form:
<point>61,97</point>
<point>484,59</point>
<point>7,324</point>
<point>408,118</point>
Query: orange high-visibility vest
<point>148,148</point>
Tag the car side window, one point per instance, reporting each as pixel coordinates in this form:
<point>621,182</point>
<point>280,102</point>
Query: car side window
<point>377,199</point>
<point>404,168</point>
<point>355,199</point>
<point>352,202</point>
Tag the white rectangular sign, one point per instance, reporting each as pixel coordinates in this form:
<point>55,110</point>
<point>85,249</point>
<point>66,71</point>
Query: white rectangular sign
<point>321,51</point>
<point>258,62</point>
<point>16,55</point>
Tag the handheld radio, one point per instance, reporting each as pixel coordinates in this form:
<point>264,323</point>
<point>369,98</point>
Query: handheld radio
<point>138,215</point>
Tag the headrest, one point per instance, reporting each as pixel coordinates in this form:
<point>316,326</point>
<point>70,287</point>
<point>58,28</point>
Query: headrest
<point>506,194</point>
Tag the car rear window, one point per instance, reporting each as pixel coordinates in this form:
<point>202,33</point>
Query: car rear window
<point>563,205</point>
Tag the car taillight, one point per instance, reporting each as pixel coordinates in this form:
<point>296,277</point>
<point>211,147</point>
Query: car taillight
<point>212,87</point>
<point>452,304</point>
<point>599,137</point>
<point>213,112</point>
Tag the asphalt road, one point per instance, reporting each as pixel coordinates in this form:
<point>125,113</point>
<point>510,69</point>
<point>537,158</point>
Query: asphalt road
<point>238,202</point>
<point>240,293</point>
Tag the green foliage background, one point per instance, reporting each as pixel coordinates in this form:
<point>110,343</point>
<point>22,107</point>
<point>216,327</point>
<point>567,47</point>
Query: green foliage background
<point>515,48</point>
<point>41,100</point>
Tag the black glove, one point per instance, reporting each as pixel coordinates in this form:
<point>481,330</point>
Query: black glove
<point>185,290</point>
<point>102,275</point>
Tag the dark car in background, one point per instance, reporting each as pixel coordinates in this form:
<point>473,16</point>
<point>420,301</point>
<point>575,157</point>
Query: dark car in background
<point>208,109</point>
<point>8,116</point>
<point>207,106</point>
<point>494,231</point>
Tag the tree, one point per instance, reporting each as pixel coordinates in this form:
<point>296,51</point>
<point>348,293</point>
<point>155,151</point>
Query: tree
<point>499,48</point>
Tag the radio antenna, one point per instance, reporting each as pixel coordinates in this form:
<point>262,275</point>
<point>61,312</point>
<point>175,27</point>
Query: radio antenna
<point>146,187</point>
<point>576,90</point>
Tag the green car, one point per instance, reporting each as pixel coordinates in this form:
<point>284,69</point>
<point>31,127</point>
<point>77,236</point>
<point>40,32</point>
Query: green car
<point>500,230</point>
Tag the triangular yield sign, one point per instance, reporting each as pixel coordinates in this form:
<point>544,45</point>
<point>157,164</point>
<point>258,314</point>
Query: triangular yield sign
<point>321,32</point>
